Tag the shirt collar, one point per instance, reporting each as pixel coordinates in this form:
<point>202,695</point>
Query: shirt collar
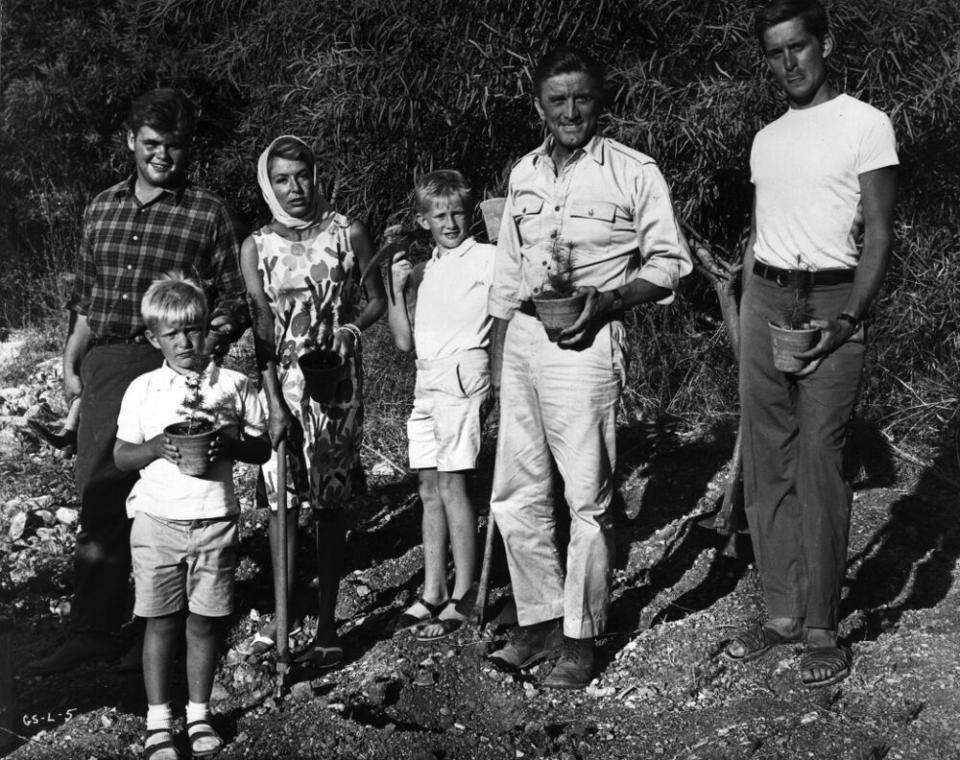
<point>594,148</point>
<point>207,374</point>
<point>459,251</point>
<point>127,188</point>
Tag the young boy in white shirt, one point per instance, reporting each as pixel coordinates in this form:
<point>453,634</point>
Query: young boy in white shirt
<point>451,333</point>
<point>184,536</point>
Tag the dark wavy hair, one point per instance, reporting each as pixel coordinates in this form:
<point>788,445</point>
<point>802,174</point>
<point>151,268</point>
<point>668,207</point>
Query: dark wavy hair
<point>166,110</point>
<point>810,12</point>
<point>568,60</point>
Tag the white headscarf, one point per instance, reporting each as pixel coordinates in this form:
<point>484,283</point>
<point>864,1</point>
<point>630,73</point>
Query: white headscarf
<point>317,205</point>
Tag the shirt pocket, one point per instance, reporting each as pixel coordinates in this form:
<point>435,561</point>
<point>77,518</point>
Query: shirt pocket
<point>528,216</point>
<point>591,223</point>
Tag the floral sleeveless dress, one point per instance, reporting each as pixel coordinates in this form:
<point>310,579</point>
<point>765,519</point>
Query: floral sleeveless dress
<point>321,466</point>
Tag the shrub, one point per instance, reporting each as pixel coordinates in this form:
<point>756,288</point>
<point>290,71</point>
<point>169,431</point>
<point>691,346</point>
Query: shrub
<point>386,91</point>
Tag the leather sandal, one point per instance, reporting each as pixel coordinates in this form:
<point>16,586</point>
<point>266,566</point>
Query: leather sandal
<point>440,628</point>
<point>201,729</point>
<point>756,641</point>
<point>167,746</point>
<point>833,658</point>
<point>408,620</point>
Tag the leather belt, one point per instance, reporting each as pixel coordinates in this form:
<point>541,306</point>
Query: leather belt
<point>112,340</point>
<point>527,307</point>
<point>803,277</point>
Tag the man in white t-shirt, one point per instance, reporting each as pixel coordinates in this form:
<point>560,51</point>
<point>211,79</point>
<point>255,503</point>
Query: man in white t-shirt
<point>824,175</point>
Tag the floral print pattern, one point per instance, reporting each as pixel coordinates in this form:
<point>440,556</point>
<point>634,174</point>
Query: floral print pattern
<point>312,286</point>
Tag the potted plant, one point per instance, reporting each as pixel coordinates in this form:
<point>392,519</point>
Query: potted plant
<point>558,305</point>
<point>193,435</point>
<point>793,334</point>
<point>322,368</point>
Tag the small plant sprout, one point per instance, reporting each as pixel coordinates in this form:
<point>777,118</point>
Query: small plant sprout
<point>560,270</point>
<point>796,314</point>
<point>199,413</point>
<point>321,329</point>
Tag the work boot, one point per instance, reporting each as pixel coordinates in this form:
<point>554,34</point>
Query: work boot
<point>530,645</point>
<point>574,669</point>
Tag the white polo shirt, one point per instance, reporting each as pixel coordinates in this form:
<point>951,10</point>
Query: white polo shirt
<point>451,313</point>
<point>155,400</point>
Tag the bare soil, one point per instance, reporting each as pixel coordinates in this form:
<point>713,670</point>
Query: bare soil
<point>663,689</point>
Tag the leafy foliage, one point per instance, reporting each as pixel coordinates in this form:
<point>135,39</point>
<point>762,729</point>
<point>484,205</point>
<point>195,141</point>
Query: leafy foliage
<point>388,90</point>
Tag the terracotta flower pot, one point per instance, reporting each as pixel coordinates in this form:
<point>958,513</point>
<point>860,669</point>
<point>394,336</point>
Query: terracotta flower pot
<point>558,312</point>
<point>193,443</point>
<point>322,372</point>
<point>787,342</point>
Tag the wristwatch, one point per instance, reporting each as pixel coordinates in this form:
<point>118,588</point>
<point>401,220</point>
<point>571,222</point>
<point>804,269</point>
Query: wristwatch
<point>617,303</point>
<point>849,319</point>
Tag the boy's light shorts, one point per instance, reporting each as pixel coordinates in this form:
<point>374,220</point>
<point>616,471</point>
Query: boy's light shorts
<point>444,427</point>
<point>181,564</point>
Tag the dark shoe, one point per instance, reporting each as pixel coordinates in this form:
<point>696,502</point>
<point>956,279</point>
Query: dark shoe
<point>530,645</point>
<point>835,660</point>
<point>79,649</point>
<point>756,641</point>
<point>574,669</point>
<point>58,441</point>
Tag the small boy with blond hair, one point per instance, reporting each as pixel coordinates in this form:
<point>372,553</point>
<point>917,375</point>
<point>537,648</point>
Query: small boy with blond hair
<point>451,333</point>
<point>184,536</point>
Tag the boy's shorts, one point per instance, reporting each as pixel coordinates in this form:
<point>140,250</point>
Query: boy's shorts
<point>444,427</point>
<point>181,564</point>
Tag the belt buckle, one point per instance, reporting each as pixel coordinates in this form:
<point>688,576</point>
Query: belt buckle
<point>783,278</point>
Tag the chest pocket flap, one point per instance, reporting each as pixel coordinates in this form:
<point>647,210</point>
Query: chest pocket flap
<point>527,205</point>
<point>600,210</point>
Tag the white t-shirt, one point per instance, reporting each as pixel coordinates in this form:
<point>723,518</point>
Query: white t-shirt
<point>806,169</point>
<point>451,312</point>
<point>153,401</point>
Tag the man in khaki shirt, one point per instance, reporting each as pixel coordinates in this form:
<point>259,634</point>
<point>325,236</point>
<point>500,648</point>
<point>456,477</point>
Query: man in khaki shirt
<point>606,211</point>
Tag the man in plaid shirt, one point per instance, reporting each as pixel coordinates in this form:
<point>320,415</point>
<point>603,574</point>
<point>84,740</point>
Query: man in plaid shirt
<point>153,222</point>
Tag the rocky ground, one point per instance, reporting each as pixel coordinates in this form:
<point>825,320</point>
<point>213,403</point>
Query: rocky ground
<point>663,690</point>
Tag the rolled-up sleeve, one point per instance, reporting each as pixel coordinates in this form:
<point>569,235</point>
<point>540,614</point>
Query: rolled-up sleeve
<point>666,257</point>
<point>503,300</point>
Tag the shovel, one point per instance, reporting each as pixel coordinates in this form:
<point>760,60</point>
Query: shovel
<point>730,520</point>
<point>280,574</point>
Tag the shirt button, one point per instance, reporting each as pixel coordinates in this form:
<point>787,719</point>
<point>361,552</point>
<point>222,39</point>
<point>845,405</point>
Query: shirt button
<point>590,213</point>
<point>129,266</point>
<point>556,208</point>
<point>137,238</point>
<point>553,234</point>
<point>123,297</point>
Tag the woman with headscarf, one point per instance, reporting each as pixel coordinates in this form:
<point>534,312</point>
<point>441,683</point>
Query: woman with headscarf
<point>302,272</point>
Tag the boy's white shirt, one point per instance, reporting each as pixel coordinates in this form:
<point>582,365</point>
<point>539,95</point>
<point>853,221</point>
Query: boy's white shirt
<point>153,401</point>
<point>451,313</point>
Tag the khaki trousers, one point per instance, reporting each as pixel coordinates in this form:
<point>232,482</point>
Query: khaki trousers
<point>559,405</point>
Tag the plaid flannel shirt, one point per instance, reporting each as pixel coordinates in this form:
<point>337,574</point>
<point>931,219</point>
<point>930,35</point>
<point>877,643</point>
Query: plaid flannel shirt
<point>126,245</point>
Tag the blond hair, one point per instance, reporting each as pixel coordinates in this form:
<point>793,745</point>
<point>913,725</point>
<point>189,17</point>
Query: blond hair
<point>444,184</point>
<point>174,298</point>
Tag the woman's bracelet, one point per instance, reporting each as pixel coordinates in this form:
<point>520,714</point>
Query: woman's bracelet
<point>353,329</point>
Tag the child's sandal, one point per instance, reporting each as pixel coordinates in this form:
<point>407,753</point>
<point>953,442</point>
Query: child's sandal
<point>165,748</point>
<point>200,730</point>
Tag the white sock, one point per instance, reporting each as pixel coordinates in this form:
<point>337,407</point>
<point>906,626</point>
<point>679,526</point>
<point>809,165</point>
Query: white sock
<point>159,716</point>
<point>198,711</point>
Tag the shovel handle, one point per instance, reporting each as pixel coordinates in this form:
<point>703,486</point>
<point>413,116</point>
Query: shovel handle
<point>484,587</point>
<point>280,590</point>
